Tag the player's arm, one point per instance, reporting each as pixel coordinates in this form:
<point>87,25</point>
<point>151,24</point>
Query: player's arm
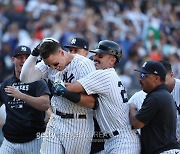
<point>133,120</point>
<point>75,87</point>
<point>29,72</point>
<point>89,101</point>
<point>40,103</point>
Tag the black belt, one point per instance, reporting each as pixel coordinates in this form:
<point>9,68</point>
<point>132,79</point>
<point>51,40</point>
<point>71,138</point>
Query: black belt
<point>70,116</point>
<point>108,136</point>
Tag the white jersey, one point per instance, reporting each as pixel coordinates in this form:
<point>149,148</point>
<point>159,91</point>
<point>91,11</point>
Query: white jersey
<point>113,110</point>
<point>176,95</point>
<point>78,68</point>
<point>137,99</point>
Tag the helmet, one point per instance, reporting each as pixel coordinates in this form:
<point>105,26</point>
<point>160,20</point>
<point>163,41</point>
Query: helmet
<point>108,47</point>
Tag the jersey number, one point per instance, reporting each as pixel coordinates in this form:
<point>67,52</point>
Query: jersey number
<point>123,92</point>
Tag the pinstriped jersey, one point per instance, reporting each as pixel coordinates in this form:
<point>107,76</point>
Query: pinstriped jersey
<point>113,110</point>
<point>176,95</point>
<point>76,69</point>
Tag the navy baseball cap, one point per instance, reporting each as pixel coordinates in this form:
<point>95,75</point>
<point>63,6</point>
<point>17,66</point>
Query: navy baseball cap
<point>153,67</point>
<point>22,50</point>
<point>79,43</point>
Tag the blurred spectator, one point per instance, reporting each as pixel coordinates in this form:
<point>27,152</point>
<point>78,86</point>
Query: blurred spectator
<point>6,65</point>
<point>131,64</point>
<point>139,24</point>
<point>155,54</point>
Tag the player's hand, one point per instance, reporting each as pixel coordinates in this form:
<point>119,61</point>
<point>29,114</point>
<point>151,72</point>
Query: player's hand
<point>58,88</point>
<point>36,50</point>
<point>12,91</point>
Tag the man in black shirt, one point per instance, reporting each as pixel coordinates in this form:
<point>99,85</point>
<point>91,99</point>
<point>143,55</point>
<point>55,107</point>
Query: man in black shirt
<point>26,104</point>
<point>157,116</point>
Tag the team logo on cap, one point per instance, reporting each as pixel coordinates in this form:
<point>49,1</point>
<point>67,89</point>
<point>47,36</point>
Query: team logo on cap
<point>144,64</point>
<point>23,49</point>
<point>155,72</point>
<point>73,41</point>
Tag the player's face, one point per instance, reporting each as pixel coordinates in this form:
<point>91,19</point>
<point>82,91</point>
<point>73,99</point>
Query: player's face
<point>56,61</point>
<point>170,81</point>
<point>19,62</point>
<point>148,81</point>
<point>103,61</point>
<point>78,51</point>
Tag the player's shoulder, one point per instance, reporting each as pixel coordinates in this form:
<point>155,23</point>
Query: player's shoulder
<point>8,81</point>
<point>81,59</point>
<point>177,82</point>
<point>138,94</point>
<point>108,73</point>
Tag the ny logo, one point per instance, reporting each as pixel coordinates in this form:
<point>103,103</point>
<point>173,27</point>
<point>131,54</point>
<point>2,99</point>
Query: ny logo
<point>23,48</point>
<point>66,78</point>
<point>73,41</point>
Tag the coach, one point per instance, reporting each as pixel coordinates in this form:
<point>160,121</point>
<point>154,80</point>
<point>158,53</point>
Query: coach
<point>157,117</point>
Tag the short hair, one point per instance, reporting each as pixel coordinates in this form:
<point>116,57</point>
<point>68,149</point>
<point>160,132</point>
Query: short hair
<point>167,66</point>
<point>48,48</point>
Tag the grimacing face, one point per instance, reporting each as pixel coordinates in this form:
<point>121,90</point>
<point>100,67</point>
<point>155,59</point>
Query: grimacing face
<point>56,61</point>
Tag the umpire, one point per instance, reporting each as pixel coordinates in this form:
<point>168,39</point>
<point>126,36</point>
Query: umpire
<point>157,116</point>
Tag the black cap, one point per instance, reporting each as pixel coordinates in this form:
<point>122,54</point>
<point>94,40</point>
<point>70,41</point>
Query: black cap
<point>153,67</point>
<point>22,50</point>
<point>79,43</point>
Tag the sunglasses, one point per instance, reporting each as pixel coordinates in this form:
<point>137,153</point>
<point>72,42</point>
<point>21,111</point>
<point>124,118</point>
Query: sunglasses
<point>143,75</point>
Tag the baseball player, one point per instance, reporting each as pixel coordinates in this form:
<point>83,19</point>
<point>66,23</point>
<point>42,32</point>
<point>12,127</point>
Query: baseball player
<point>70,128</point>
<point>157,116</point>
<point>174,89</point>
<point>113,111</point>
<point>25,105</point>
<point>78,46</point>
<point>2,115</point>
<point>81,46</point>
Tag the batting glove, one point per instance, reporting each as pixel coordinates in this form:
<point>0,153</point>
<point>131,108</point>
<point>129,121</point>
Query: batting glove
<point>59,89</point>
<point>36,50</point>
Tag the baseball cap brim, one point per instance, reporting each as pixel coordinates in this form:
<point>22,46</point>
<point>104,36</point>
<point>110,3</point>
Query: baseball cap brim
<point>72,46</point>
<point>142,71</point>
<point>21,54</point>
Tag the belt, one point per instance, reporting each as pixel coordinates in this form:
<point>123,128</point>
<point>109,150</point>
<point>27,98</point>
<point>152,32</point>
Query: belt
<point>108,135</point>
<point>70,116</point>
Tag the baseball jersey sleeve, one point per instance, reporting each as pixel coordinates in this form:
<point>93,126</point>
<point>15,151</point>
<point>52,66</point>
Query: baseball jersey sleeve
<point>43,69</point>
<point>96,82</point>
<point>86,68</point>
<point>137,99</point>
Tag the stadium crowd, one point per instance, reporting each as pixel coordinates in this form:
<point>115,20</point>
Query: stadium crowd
<point>146,30</point>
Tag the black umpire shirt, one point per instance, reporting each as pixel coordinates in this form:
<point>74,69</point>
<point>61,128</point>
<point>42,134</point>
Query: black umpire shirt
<point>22,120</point>
<point>158,113</point>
